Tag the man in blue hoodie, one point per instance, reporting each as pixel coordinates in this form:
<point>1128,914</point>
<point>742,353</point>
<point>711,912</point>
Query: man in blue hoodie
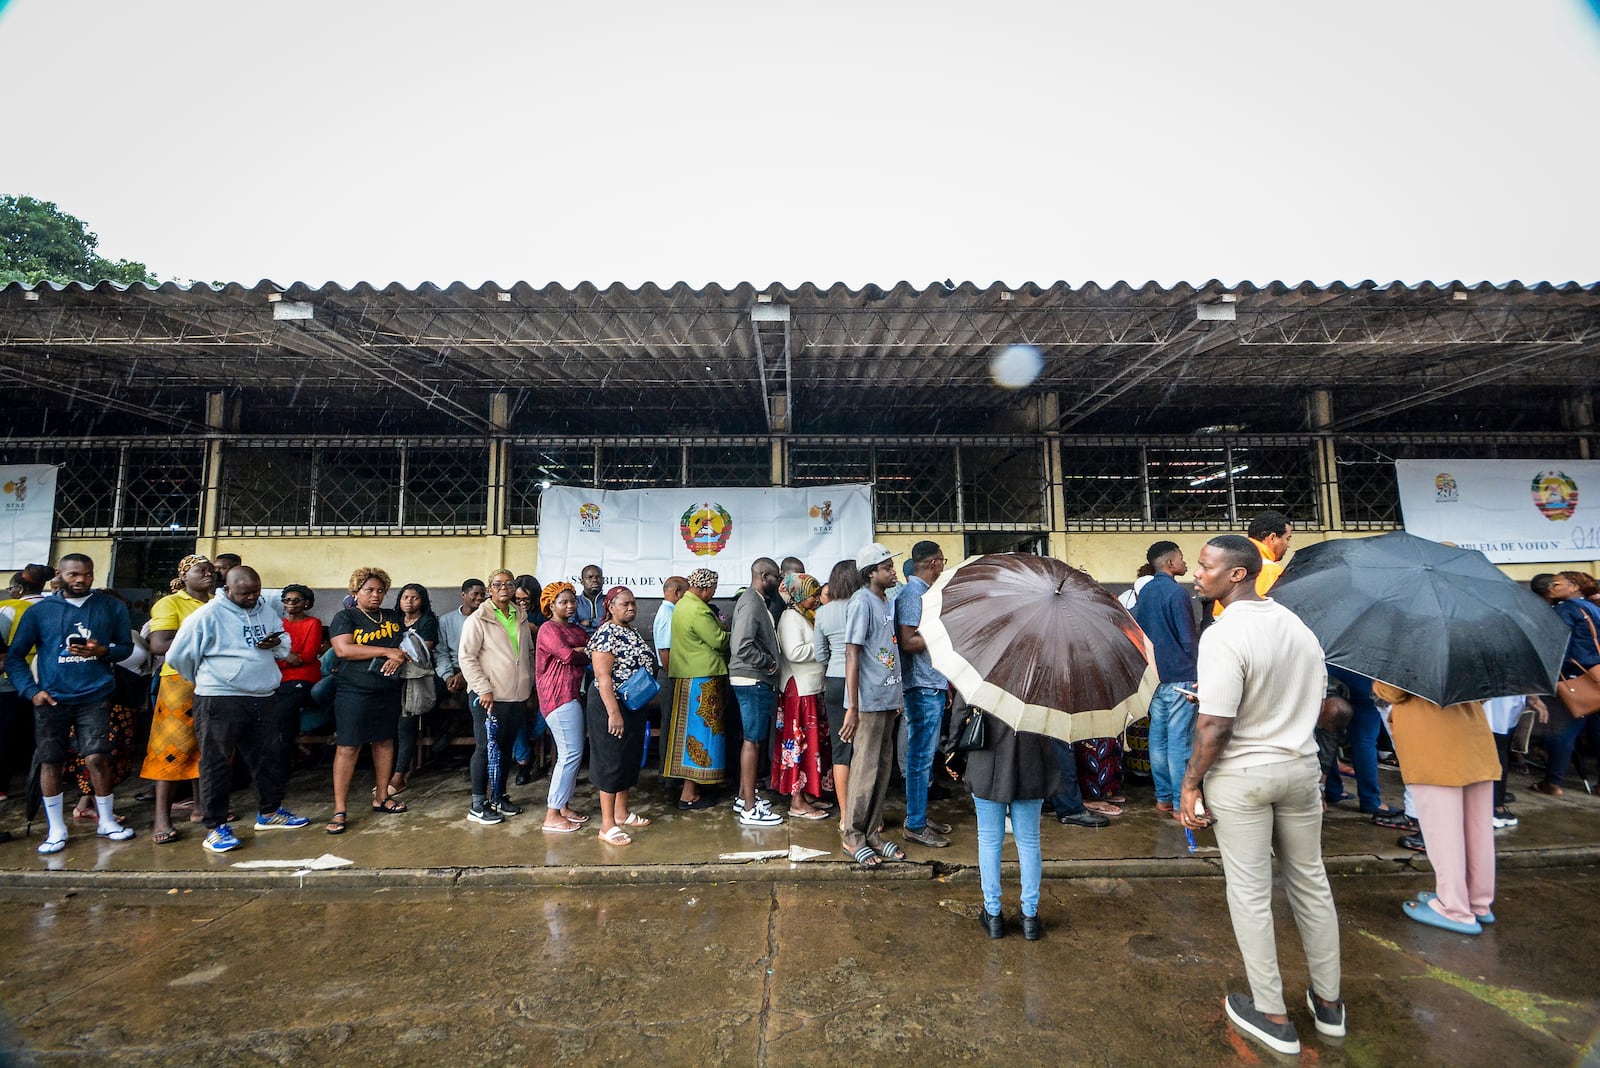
<point>79,635</point>
<point>230,648</point>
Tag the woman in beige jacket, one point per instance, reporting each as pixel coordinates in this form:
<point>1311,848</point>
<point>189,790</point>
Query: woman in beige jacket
<point>496,658</point>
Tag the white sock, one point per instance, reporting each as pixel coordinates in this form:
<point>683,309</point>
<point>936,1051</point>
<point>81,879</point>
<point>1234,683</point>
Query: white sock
<point>108,818</point>
<point>58,822</point>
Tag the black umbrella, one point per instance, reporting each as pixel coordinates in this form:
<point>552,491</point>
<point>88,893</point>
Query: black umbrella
<point>1435,620</point>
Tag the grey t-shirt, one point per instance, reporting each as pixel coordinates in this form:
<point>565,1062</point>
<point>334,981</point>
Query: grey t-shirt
<point>869,623</point>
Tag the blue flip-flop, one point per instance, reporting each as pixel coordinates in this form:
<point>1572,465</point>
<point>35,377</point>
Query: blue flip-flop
<point>1428,895</point>
<point>1426,915</point>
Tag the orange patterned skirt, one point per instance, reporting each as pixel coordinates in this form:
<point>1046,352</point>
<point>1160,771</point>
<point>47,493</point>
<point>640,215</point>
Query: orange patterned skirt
<point>174,752</point>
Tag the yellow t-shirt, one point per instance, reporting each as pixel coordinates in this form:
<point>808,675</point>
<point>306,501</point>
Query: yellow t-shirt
<point>169,614</point>
<point>1268,575</point>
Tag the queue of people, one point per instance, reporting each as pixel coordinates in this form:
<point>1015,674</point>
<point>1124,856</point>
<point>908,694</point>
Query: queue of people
<point>1247,731</point>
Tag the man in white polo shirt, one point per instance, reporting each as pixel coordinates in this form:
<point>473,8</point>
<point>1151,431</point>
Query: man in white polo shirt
<point>1261,686</point>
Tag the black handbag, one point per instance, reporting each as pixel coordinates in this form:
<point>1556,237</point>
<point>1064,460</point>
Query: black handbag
<point>973,734</point>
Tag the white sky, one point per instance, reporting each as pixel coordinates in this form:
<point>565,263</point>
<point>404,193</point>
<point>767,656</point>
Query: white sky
<point>395,140</point>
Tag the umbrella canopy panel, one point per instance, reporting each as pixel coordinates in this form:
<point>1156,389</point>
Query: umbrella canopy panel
<point>1435,620</point>
<point>1039,644</point>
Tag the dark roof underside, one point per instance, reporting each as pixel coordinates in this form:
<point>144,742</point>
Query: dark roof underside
<point>715,361</point>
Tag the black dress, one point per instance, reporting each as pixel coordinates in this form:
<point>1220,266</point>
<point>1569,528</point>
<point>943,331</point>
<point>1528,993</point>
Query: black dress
<point>366,702</point>
<point>614,762</point>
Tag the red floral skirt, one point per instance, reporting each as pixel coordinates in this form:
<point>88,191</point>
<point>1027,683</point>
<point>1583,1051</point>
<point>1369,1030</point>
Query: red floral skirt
<point>801,755</point>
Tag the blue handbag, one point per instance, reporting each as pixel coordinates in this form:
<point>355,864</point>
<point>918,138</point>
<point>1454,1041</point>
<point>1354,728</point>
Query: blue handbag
<point>638,689</point>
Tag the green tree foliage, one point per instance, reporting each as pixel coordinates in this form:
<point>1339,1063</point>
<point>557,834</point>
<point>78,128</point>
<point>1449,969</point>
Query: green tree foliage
<point>41,243</point>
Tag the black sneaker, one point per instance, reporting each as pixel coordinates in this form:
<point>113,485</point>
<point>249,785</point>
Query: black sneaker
<point>482,812</point>
<point>1083,818</point>
<point>1329,1020</point>
<point>524,775</point>
<point>993,926</point>
<point>507,807</point>
<point>1283,1038</point>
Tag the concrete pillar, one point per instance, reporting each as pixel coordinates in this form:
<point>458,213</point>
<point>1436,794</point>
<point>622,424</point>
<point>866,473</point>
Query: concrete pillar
<point>217,420</point>
<point>499,481</point>
<point>1319,414</point>
<point>1055,486</point>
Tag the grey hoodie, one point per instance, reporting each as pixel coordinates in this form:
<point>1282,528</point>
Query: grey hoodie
<point>216,647</point>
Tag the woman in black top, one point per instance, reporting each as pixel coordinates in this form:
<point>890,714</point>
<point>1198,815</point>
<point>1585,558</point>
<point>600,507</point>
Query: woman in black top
<point>366,704</point>
<point>416,614</point>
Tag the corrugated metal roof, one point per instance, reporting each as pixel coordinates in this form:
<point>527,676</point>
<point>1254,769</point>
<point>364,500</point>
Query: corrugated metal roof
<point>616,359</point>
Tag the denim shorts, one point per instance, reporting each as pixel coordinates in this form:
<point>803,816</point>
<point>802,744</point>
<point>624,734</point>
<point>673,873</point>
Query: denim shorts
<point>758,706</point>
<point>51,724</point>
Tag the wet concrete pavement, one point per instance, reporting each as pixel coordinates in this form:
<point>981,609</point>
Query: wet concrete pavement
<point>435,845</point>
<point>444,940</point>
<point>865,972</point>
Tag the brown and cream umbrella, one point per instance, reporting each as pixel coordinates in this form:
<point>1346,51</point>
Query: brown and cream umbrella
<point>1040,645</point>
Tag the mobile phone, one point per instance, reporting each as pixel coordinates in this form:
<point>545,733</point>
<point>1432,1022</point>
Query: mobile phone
<point>77,639</point>
<point>1187,693</point>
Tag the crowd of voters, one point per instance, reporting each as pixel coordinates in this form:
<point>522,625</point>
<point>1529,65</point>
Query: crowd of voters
<point>798,700</point>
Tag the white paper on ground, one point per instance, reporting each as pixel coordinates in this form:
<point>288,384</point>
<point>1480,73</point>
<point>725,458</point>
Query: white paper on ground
<point>794,854</point>
<point>323,863</point>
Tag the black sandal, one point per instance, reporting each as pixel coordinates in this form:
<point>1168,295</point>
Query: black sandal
<point>868,858</point>
<point>390,805</point>
<point>339,824</point>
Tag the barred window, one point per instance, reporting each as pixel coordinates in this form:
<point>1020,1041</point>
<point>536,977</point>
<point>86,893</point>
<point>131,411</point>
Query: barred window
<point>729,465</point>
<point>161,488</point>
<point>535,468</point>
<point>266,487</point>
<point>915,484</point>
<point>1103,484</point>
<point>446,488</point>
<point>812,464</point>
<point>356,487</point>
<point>624,467</point>
<point>1003,484</point>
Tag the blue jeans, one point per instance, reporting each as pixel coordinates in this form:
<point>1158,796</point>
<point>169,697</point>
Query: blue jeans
<point>1561,738</point>
<point>522,745</point>
<point>924,718</point>
<point>1365,723</point>
<point>1025,832</point>
<point>1171,735</point>
<point>1069,802</point>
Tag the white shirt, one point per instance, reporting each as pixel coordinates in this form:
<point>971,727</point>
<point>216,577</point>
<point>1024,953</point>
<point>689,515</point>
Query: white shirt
<point>1260,666</point>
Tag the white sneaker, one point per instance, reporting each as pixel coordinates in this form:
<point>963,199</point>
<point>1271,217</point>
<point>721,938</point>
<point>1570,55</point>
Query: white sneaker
<point>1502,822</point>
<point>760,815</point>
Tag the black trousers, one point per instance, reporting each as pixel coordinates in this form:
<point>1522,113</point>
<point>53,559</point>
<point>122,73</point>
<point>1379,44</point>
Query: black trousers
<point>508,720</point>
<point>248,725</point>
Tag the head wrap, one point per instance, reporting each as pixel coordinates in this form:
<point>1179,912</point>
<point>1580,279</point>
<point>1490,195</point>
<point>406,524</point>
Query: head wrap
<point>605,602</point>
<point>549,595</point>
<point>798,587</point>
<point>184,567</point>
<point>702,578</point>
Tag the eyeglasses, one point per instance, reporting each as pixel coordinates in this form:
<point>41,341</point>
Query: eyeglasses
<point>501,585</point>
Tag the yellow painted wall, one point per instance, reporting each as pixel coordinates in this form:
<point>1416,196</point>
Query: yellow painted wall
<point>325,562</point>
<point>96,549</point>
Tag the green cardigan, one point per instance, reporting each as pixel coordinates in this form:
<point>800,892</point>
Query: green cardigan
<point>699,644</point>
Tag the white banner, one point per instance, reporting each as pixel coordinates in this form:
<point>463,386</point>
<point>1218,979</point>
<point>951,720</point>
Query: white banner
<point>1513,511</point>
<point>27,513</point>
<point>641,537</point>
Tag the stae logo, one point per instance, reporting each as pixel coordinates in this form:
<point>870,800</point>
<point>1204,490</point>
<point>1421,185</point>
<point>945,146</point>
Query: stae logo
<point>589,518</point>
<point>1444,487</point>
<point>706,528</point>
<point>1555,495</point>
<point>823,512</point>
